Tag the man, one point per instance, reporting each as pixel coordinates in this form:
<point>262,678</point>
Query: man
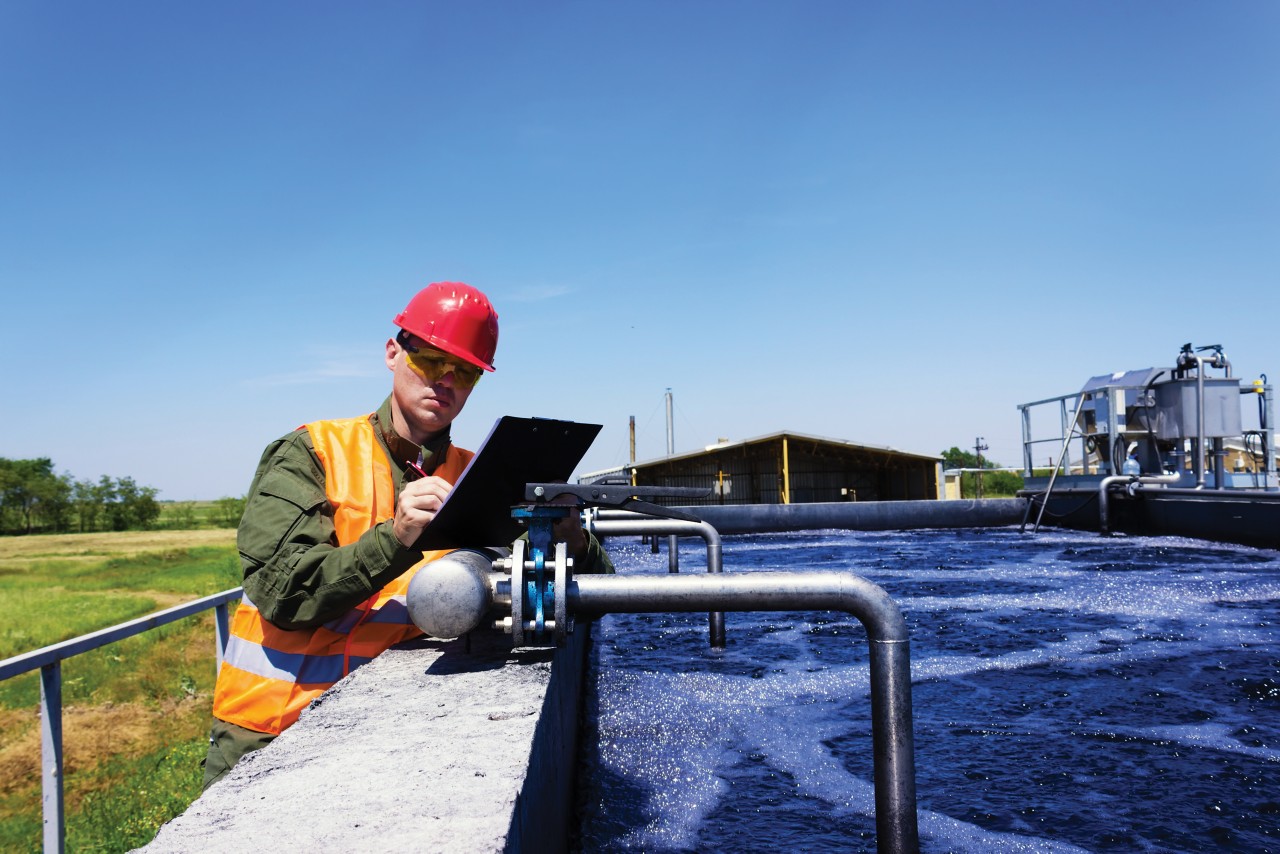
<point>326,540</point>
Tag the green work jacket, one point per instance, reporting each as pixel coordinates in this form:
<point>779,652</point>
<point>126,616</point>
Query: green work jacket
<point>293,570</point>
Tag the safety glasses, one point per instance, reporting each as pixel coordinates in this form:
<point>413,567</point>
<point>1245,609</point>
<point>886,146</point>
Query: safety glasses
<point>432,365</point>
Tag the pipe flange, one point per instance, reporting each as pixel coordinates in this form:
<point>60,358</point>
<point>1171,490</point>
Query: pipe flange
<point>517,592</point>
<point>560,593</point>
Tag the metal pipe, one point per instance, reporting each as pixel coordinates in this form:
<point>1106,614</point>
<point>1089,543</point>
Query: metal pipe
<point>1026,441</point>
<point>1268,433</point>
<point>893,742</point>
<point>623,522</point>
<point>1106,484</point>
<point>1200,449</point>
<point>673,549</point>
<point>51,757</point>
<point>1114,411</point>
<point>1218,360</point>
<point>1136,484</point>
<point>1208,494</point>
<point>861,515</point>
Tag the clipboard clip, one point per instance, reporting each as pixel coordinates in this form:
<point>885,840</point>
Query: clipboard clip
<point>617,497</point>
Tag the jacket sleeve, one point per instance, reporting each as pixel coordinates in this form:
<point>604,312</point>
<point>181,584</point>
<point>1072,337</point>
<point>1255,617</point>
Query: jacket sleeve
<point>597,559</point>
<point>294,571</point>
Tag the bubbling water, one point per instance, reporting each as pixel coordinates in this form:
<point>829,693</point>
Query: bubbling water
<point>1071,692</point>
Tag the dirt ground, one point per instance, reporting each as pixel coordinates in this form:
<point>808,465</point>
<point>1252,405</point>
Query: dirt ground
<point>96,546</point>
<point>129,729</point>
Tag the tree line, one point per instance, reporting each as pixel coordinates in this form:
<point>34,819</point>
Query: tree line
<point>35,498</point>
<point>994,483</point>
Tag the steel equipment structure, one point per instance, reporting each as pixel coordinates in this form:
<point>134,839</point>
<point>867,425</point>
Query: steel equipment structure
<point>1175,428</point>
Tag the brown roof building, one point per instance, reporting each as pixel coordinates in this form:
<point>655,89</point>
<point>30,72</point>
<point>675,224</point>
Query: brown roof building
<point>787,468</point>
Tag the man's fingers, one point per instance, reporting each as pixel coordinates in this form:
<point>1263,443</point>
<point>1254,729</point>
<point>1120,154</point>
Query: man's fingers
<point>417,504</point>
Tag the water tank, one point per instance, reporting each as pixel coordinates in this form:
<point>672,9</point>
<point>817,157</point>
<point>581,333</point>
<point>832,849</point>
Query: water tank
<point>1176,408</point>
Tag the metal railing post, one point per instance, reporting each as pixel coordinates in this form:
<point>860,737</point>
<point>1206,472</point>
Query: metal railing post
<point>221,631</point>
<point>51,757</point>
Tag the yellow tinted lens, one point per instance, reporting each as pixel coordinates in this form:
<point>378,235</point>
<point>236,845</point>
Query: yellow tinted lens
<point>431,368</point>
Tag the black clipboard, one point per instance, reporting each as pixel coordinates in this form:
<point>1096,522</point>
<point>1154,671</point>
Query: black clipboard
<point>517,451</point>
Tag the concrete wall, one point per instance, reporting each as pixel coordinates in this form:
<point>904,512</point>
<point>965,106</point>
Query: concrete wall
<point>464,745</point>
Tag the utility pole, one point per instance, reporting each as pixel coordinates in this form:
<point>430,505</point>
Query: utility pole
<point>979,448</point>
<point>671,433</point>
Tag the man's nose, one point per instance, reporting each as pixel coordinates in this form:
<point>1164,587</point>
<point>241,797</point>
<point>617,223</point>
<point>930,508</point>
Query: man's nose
<point>449,372</point>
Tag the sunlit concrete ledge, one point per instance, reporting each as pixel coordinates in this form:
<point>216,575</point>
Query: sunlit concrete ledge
<point>434,747</point>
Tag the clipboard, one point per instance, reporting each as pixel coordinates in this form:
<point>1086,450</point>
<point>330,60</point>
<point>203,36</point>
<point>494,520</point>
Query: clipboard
<point>517,451</point>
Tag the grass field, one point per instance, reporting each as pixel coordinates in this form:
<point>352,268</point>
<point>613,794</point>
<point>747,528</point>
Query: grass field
<point>136,713</point>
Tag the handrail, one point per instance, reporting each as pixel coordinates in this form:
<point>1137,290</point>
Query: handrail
<point>49,661</point>
<point>1066,444</point>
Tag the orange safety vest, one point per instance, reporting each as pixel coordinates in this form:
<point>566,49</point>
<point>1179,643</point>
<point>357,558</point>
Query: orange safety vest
<point>270,674</point>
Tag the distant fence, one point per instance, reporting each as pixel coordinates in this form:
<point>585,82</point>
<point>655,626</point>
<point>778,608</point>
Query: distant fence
<point>49,661</point>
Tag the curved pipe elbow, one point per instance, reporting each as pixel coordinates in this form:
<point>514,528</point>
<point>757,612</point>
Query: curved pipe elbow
<point>747,591</point>
<point>1104,523</point>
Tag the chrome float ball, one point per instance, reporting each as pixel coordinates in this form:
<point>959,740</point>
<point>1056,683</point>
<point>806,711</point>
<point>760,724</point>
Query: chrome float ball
<point>452,595</point>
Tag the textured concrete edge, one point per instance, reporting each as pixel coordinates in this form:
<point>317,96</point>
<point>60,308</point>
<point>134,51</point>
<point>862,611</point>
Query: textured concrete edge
<point>362,752</point>
<point>544,808</point>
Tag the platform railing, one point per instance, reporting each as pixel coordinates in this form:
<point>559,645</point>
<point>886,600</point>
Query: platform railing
<point>49,661</point>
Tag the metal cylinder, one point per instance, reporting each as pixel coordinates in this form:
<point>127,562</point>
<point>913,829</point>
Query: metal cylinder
<point>452,595</point>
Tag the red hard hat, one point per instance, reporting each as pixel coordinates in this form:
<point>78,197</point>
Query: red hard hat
<point>455,318</point>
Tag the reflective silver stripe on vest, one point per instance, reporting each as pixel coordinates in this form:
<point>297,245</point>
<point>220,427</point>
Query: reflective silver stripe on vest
<point>294,667</point>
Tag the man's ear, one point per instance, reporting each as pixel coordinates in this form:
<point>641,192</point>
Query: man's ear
<point>392,351</point>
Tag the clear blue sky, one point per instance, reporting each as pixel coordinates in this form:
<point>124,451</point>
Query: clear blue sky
<point>883,222</point>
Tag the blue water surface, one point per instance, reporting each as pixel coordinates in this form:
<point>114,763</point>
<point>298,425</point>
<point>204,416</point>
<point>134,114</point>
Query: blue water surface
<point>1071,693</point>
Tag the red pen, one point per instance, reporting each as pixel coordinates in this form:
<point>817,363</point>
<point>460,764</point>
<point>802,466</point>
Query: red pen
<point>417,467</point>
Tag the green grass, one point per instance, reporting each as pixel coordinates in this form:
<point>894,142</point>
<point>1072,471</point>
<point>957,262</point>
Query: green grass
<point>33,617</point>
<point>136,711</point>
<point>128,798</point>
<point>198,571</point>
<point>157,787</point>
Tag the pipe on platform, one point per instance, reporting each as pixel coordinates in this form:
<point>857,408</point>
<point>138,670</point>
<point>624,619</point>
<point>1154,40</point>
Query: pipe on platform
<point>1137,483</point>
<point>623,522</point>
<point>893,747</point>
<point>1103,487</point>
<point>861,515</point>
<point>1218,360</point>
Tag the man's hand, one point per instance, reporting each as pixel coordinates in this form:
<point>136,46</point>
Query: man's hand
<point>418,504</point>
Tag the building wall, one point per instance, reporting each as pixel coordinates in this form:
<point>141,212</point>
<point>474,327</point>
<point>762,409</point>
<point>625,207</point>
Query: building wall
<point>819,472</point>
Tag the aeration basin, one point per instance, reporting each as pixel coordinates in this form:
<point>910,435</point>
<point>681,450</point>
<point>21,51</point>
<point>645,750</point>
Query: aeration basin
<point>891,718</point>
